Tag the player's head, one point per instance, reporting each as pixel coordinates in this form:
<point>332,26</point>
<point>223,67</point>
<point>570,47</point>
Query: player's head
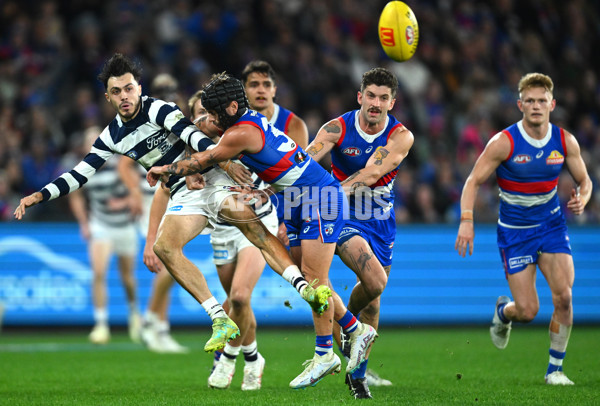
<point>121,77</point>
<point>258,78</point>
<point>535,98</point>
<point>377,94</point>
<point>217,96</point>
<point>164,87</point>
<point>199,116</point>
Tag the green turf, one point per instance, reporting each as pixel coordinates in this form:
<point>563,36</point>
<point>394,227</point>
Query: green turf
<point>428,366</point>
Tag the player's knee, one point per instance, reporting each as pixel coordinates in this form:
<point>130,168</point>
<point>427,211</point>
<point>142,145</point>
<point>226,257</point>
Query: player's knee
<point>239,298</point>
<point>164,250</point>
<point>375,288</point>
<point>526,313</point>
<point>563,300</point>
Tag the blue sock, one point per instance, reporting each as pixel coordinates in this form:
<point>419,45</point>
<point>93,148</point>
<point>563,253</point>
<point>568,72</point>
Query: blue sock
<point>348,322</point>
<point>501,313</point>
<point>324,344</point>
<point>361,371</point>
<point>556,360</point>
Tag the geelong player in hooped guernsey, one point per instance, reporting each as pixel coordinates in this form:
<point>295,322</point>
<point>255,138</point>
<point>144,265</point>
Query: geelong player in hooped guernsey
<point>317,202</point>
<point>527,158</point>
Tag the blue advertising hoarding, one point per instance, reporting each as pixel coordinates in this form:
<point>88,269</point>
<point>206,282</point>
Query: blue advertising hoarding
<point>45,279</point>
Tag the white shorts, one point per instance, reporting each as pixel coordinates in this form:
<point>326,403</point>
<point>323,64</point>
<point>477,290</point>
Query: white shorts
<point>227,241</point>
<point>206,202</point>
<point>123,240</point>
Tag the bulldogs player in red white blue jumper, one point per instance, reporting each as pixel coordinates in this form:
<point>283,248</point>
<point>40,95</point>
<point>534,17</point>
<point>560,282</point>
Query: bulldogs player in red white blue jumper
<point>314,215</point>
<point>527,158</point>
<point>367,147</point>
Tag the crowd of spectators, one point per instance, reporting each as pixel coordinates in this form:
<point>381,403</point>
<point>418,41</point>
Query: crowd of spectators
<point>458,90</point>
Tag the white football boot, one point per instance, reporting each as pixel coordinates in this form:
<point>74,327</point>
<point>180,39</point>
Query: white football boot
<point>499,331</point>
<point>100,334</point>
<point>558,378</point>
<point>316,369</point>
<point>253,372</point>
<point>221,376</point>
<point>360,341</point>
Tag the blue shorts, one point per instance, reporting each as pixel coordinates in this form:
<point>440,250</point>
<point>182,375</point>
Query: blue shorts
<point>379,234</point>
<point>521,247</point>
<point>318,214</point>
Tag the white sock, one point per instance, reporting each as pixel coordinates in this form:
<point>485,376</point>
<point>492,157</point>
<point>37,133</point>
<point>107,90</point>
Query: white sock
<point>213,308</point>
<point>101,315</point>
<point>293,275</point>
<point>230,351</point>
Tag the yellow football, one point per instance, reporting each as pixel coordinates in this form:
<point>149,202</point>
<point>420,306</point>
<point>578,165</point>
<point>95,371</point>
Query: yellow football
<point>398,31</point>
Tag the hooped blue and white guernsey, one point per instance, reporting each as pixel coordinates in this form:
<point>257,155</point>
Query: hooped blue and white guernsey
<point>351,154</point>
<point>158,135</point>
<point>528,178</point>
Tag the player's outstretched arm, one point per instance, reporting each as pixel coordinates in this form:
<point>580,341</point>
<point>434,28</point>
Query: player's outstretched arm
<point>232,143</point>
<point>496,151</point>
<point>26,202</point>
<point>325,140</point>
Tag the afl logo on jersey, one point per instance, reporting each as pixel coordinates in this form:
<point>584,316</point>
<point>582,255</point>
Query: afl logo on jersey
<point>555,158</point>
<point>132,155</point>
<point>522,159</point>
<point>352,151</point>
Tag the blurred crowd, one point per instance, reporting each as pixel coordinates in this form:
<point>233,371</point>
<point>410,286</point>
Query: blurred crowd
<point>458,90</point>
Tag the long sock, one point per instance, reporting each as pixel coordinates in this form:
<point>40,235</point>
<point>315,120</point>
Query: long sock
<point>361,371</point>
<point>559,339</point>
<point>250,352</point>
<point>213,308</point>
<point>293,275</point>
<point>324,345</point>
<point>501,315</point>
<point>101,315</point>
<point>348,322</point>
<point>230,351</point>
<point>217,356</point>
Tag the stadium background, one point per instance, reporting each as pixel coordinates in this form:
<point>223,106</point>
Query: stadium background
<point>458,90</point>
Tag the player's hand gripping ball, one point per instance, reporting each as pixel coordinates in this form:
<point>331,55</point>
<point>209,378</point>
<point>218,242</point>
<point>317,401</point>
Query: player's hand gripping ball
<point>398,31</point>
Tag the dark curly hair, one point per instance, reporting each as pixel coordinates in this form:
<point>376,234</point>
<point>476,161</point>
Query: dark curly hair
<point>118,65</point>
<point>380,77</point>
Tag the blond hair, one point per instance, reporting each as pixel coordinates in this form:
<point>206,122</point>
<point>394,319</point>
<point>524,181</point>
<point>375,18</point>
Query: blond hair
<point>536,80</point>
<point>192,101</point>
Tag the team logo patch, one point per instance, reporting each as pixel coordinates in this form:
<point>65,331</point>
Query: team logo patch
<point>299,157</point>
<point>352,151</point>
<point>517,261</point>
<point>555,158</point>
<point>132,154</point>
<point>522,159</point>
<point>328,229</point>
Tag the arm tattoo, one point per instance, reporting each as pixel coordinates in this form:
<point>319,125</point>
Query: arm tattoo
<point>332,128</point>
<point>380,155</point>
<point>353,185</point>
<point>185,167</point>
<point>315,149</point>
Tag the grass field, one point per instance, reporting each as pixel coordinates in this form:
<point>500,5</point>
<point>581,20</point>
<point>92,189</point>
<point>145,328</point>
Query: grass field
<point>428,366</point>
